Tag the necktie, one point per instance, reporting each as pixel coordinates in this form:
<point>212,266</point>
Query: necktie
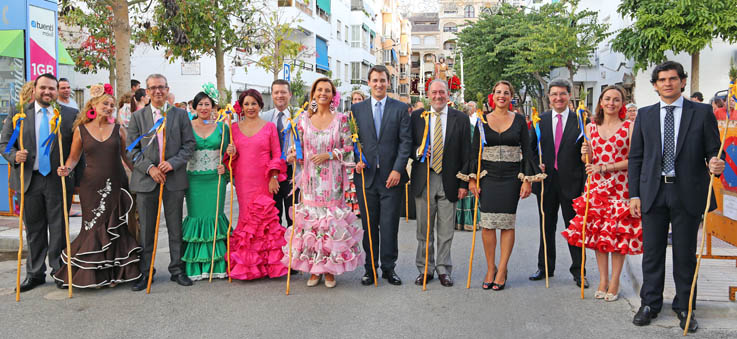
<point>44,162</point>
<point>558,136</point>
<point>669,143</point>
<point>279,128</point>
<point>437,144</point>
<point>378,113</point>
<point>159,135</point>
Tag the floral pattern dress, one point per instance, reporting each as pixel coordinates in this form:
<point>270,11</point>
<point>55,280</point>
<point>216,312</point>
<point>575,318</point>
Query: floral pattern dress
<point>326,239</point>
<point>609,225</point>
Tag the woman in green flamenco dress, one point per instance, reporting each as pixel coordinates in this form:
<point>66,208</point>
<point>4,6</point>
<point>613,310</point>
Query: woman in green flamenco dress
<point>203,170</point>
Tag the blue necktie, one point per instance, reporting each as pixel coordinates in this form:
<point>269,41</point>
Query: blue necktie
<point>378,113</point>
<point>44,163</point>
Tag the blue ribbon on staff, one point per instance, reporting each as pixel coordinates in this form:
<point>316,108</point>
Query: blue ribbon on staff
<point>55,123</point>
<point>297,143</point>
<point>480,125</point>
<point>151,131</point>
<point>580,112</point>
<point>536,125</point>
<point>427,143</point>
<point>17,118</point>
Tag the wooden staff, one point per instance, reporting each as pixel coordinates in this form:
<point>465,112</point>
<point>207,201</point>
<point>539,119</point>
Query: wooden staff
<point>158,215</point>
<point>22,208</point>
<point>368,217</point>
<point>475,215</point>
<point>427,233</point>
<point>217,206</point>
<point>583,229</point>
<point>542,213</point>
<point>703,231</point>
<point>406,202</point>
<point>66,211</point>
<point>294,220</point>
<point>232,189</point>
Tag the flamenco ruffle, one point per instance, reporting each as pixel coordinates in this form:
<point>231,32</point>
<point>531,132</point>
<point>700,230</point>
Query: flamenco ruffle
<point>256,243</point>
<point>197,235</point>
<point>325,241</point>
<point>104,257</point>
<point>611,228</point>
<point>277,164</point>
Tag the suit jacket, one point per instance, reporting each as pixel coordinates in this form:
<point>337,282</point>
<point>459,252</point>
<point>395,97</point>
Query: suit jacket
<point>68,115</point>
<point>180,145</point>
<point>699,125</point>
<point>392,146</point>
<point>571,171</point>
<point>456,146</point>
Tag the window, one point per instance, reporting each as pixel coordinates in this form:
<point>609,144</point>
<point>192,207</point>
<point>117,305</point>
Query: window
<point>355,36</point>
<point>338,67</point>
<point>366,39</point>
<point>347,72</point>
<point>321,49</point>
<point>338,35</point>
<point>416,41</point>
<point>430,41</point>
<point>284,3</point>
<point>450,27</point>
<point>355,72</point>
<point>469,12</point>
<point>371,41</point>
<point>450,10</point>
<point>346,33</point>
<point>486,10</point>
<point>450,45</point>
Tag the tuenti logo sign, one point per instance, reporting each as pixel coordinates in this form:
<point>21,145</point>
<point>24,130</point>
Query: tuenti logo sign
<point>47,29</point>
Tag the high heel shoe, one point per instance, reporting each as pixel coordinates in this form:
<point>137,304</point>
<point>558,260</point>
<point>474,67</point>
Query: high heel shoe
<point>314,280</point>
<point>611,297</point>
<point>599,295</point>
<point>487,285</point>
<point>499,287</point>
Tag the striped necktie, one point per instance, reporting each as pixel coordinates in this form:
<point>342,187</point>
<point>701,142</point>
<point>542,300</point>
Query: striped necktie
<point>437,144</point>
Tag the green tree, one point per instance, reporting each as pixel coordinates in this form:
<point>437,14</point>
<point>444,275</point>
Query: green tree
<point>275,45</point>
<point>674,25</point>
<point>192,28</point>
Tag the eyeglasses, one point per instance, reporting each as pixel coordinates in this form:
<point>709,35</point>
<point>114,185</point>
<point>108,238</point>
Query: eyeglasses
<point>157,88</point>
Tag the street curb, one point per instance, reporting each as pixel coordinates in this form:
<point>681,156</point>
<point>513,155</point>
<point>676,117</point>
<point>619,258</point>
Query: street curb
<point>10,244</point>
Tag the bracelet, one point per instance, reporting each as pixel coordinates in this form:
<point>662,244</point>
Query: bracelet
<point>330,154</point>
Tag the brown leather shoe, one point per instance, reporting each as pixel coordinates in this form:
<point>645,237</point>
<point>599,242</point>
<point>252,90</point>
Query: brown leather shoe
<point>418,280</point>
<point>445,280</point>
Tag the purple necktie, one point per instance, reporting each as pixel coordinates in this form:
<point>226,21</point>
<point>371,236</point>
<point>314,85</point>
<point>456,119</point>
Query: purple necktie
<point>558,136</point>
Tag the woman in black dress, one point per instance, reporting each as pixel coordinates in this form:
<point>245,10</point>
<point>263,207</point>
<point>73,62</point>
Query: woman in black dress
<point>104,253</point>
<point>507,171</point>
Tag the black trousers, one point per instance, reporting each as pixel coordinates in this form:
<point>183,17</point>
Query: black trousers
<point>383,205</point>
<point>554,200</point>
<point>43,218</point>
<point>668,209</point>
<point>147,204</point>
<point>283,198</point>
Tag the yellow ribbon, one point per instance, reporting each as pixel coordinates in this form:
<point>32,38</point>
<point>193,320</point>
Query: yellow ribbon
<point>535,116</point>
<point>18,116</point>
<point>55,122</point>
<point>354,136</point>
<point>292,118</point>
<point>426,116</point>
<point>733,89</point>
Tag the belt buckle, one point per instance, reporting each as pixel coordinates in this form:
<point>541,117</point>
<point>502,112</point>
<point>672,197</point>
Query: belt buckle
<point>669,179</point>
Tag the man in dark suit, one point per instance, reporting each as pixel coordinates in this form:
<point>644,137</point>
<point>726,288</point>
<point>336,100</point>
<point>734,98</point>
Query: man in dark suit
<point>384,133</point>
<point>561,149</point>
<point>668,183</point>
<point>43,215</point>
<point>151,168</point>
<point>447,155</point>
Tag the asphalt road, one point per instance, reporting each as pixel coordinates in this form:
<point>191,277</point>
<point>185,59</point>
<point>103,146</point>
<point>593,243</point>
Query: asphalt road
<point>255,309</point>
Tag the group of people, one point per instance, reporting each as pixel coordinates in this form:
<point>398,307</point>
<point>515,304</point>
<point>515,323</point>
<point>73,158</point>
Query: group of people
<point>640,176</point>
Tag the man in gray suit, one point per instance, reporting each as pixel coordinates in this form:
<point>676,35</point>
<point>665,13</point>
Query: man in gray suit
<point>151,168</point>
<point>43,214</point>
<point>386,138</point>
<point>281,94</point>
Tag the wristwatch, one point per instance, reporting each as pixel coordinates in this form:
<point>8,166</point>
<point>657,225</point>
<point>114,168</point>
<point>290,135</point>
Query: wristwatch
<point>331,155</point>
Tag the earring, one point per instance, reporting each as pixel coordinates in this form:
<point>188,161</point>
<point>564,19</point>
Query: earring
<point>92,114</point>
<point>332,107</point>
<point>313,105</point>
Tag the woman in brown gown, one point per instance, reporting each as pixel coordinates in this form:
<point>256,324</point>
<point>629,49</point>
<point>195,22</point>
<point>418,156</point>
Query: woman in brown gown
<point>104,253</point>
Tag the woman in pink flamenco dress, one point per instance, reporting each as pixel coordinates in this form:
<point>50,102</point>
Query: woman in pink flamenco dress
<point>255,246</point>
<point>326,239</point>
<point>609,226</point>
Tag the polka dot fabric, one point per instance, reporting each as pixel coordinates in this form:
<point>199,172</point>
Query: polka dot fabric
<point>610,227</point>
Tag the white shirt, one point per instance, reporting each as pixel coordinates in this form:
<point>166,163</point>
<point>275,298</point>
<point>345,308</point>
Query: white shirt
<point>383,105</point>
<point>71,103</point>
<point>39,114</point>
<point>563,115</point>
<point>677,113</point>
<point>443,119</point>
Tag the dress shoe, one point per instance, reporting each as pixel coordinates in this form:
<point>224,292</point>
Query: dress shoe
<point>499,287</point>
<point>540,275</point>
<point>644,315</point>
<point>599,294</point>
<point>445,280</point>
<point>314,280</point>
<point>330,283</point>
<point>31,283</point>
<point>693,325</point>
<point>577,279</point>
<point>59,284</point>
<point>182,279</point>
<point>392,277</point>
<point>420,278</point>
<point>611,297</point>
<point>141,284</point>
<point>367,279</point>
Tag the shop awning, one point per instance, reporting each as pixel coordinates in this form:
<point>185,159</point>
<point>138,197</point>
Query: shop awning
<point>64,57</point>
<point>324,5</point>
<point>11,44</point>
<point>321,47</point>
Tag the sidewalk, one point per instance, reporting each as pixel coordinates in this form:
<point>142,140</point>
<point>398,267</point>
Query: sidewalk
<point>9,230</point>
<point>715,277</point>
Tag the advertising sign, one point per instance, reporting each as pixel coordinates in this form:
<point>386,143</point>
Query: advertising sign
<point>42,37</point>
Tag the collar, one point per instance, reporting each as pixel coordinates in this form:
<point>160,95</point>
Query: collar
<point>444,111</point>
<point>162,109</point>
<point>38,107</point>
<point>285,110</point>
<point>565,112</point>
<point>678,103</point>
<point>382,101</point>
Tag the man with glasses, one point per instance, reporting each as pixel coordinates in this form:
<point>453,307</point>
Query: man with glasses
<point>152,168</point>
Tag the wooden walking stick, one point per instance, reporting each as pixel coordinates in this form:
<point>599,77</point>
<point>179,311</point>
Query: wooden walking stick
<point>732,93</point>
<point>581,114</point>
<point>232,189</point>
<point>475,206</point>
<point>217,206</point>
<point>368,217</point>
<point>535,122</point>
<point>406,202</point>
<point>427,232</point>
<point>57,115</point>
<point>20,116</point>
<point>158,213</point>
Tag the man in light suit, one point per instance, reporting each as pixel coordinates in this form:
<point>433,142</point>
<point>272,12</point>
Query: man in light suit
<point>447,155</point>
<point>386,139</point>
<point>674,147</point>
<point>43,215</point>
<point>279,115</point>
<point>151,168</point>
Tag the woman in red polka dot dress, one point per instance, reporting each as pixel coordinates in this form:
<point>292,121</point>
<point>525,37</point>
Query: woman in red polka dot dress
<point>609,226</point>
